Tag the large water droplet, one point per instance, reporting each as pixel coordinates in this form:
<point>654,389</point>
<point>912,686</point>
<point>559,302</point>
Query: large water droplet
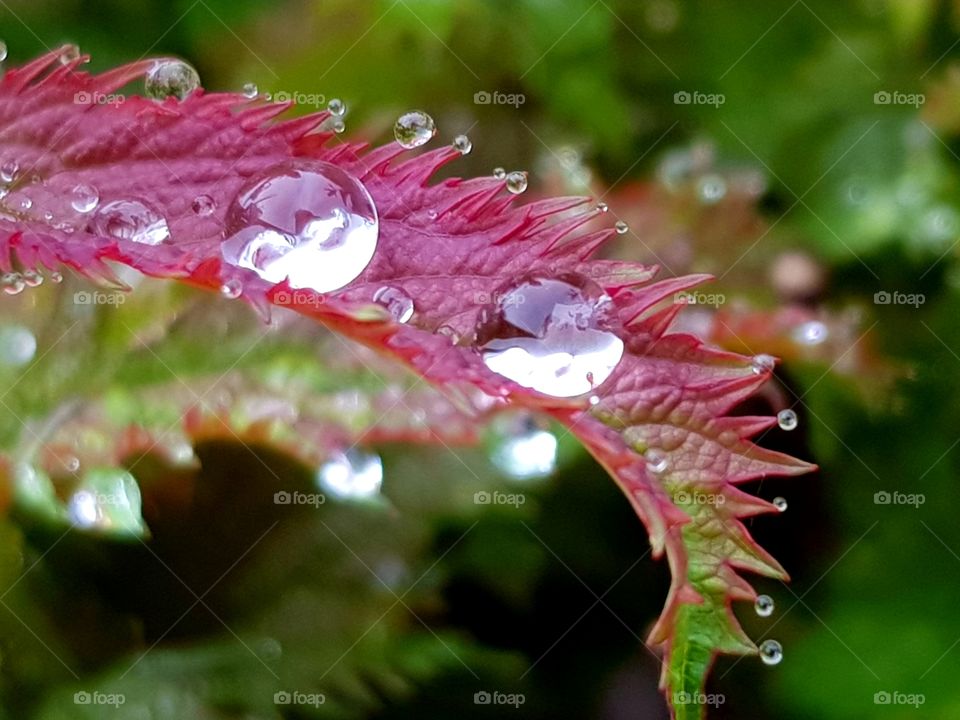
<point>18,346</point>
<point>396,301</point>
<point>556,335</point>
<point>171,78</point>
<point>353,475</point>
<point>307,221</point>
<point>764,605</point>
<point>523,448</point>
<point>414,129</point>
<point>84,198</point>
<point>771,652</point>
<point>787,419</point>
<point>130,220</point>
<point>462,144</point>
<point>9,171</point>
<point>516,182</point>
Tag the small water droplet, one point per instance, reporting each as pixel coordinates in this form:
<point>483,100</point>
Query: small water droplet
<point>787,419</point>
<point>462,144</point>
<point>12,283</point>
<point>764,605</point>
<point>352,475</point>
<point>203,205</point>
<point>3,51</point>
<point>24,204</point>
<point>337,126</point>
<point>771,652</point>
<point>48,216</point>
<point>711,189</point>
<point>250,90</point>
<point>516,182</point>
<point>499,173</point>
<point>594,400</point>
<point>84,198</point>
<point>232,289</point>
<point>130,220</point>
<point>780,504</point>
<point>523,448</point>
<point>602,207</point>
<point>18,345</point>
<point>812,332</point>
<point>657,461</point>
<point>56,277</point>
<point>107,500</point>
<point>448,331</point>
<point>305,221</point>
<point>171,78</point>
<point>763,363</point>
<point>336,106</point>
<point>396,301</point>
<point>32,278</point>
<point>414,129</point>
<point>621,227</point>
<point>69,54</point>
<point>556,335</point>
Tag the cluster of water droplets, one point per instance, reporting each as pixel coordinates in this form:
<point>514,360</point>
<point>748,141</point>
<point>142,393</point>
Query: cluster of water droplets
<point>557,335</point>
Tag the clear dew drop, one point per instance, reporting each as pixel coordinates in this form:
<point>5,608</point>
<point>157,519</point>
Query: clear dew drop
<point>414,129</point>
<point>711,189</point>
<point>18,345</point>
<point>171,78</point>
<point>812,332</point>
<point>787,419</point>
<point>516,182</point>
<point>12,283</point>
<point>3,51</point>
<point>250,90</point>
<point>602,207</point>
<point>232,289</point>
<point>24,204</point>
<point>780,504</point>
<point>763,363</point>
<point>462,144</point>
<point>351,475</point>
<point>336,106</point>
<point>338,126</point>
<point>56,277</point>
<point>84,198</point>
<point>771,652</point>
<point>108,501</point>
<point>556,335</point>
<point>621,227</point>
<point>764,605</point>
<point>523,448</point>
<point>499,173</point>
<point>396,301</point>
<point>9,171</point>
<point>31,278</point>
<point>657,461</point>
<point>203,205</point>
<point>305,221</point>
<point>130,220</point>
<point>69,54</point>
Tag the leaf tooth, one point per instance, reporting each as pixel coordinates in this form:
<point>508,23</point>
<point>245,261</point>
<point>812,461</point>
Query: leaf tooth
<point>419,169</point>
<point>635,302</point>
<point>582,246</point>
<point>18,79</point>
<point>112,80</point>
<point>552,206</point>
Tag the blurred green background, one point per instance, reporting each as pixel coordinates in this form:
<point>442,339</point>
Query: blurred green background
<point>807,154</point>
